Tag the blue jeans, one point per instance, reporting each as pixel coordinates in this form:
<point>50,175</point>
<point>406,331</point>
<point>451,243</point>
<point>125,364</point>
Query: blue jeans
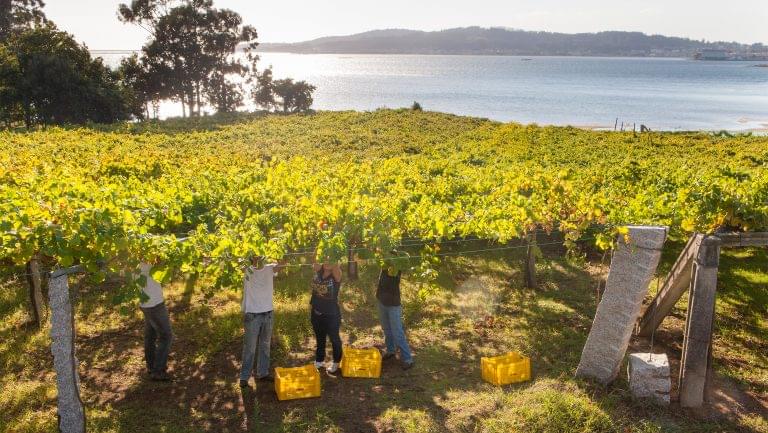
<point>157,338</point>
<point>258,333</point>
<point>394,336</point>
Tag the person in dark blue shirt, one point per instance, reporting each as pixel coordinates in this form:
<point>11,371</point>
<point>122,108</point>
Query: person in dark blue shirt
<point>391,316</point>
<point>325,312</point>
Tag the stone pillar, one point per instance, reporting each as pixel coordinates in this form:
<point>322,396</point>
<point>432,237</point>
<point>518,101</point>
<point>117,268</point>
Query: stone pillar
<point>70,407</point>
<point>632,267</point>
<point>649,377</point>
<point>695,362</point>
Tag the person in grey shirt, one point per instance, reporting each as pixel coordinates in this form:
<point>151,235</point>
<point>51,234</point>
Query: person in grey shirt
<point>157,328</point>
<point>258,306</point>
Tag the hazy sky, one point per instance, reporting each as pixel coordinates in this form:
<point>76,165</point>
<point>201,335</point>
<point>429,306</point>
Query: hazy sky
<point>95,21</point>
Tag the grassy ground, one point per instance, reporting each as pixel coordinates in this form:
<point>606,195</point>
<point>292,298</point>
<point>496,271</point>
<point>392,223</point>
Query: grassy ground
<point>476,307</point>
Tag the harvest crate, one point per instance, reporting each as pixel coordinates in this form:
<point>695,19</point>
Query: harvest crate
<point>361,363</point>
<point>298,382</point>
<point>505,369</point>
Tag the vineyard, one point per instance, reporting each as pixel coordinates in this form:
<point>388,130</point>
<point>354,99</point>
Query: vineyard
<point>337,180</point>
<point>411,190</point>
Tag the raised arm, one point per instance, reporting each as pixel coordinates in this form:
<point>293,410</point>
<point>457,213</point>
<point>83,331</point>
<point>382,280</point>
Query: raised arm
<point>336,271</point>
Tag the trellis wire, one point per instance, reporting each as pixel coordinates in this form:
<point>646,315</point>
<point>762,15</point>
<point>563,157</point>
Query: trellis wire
<point>376,261</point>
<point>450,254</point>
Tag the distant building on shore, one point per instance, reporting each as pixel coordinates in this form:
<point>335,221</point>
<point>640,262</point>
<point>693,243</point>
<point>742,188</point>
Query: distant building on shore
<point>711,54</point>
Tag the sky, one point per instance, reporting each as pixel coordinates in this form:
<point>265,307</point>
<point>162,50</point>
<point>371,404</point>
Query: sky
<point>95,21</point>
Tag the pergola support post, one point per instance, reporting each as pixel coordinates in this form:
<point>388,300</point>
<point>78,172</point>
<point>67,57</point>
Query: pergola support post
<point>632,267</point>
<point>530,261</point>
<point>35,281</point>
<point>71,412</point>
<point>697,343</point>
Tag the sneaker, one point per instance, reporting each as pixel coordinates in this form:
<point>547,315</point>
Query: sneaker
<point>333,368</point>
<point>244,384</point>
<point>387,355</point>
<point>407,365</point>
<point>267,378</point>
<point>319,365</point>
<point>160,376</point>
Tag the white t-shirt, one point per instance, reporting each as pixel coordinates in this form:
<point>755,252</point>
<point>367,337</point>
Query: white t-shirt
<point>258,289</point>
<point>153,289</point>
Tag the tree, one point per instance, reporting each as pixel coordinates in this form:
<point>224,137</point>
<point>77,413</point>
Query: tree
<point>10,73</point>
<point>17,15</point>
<point>263,93</point>
<point>224,94</point>
<point>191,53</point>
<point>135,75</point>
<point>47,77</point>
<point>294,97</point>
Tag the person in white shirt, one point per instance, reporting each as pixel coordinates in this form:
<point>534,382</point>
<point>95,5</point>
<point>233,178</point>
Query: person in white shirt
<point>258,290</point>
<point>157,327</point>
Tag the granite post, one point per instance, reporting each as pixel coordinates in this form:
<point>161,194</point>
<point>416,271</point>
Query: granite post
<point>70,406</point>
<point>632,267</point>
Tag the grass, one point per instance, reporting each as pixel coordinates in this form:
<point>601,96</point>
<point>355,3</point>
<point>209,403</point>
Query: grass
<point>475,307</point>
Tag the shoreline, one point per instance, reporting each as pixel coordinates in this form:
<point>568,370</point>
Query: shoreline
<point>756,127</point>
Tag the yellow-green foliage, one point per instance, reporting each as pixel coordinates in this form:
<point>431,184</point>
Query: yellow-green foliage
<point>268,185</point>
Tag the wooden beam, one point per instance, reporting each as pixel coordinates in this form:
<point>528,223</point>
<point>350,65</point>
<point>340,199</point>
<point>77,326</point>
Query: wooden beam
<point>67,271</point>
<point>677,282</point>
<point>746,239</point>
<point>695,362</point>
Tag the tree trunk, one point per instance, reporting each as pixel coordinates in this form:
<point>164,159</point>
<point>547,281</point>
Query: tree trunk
<point>70,407</point>
<point>183,107</point>
<point>35,291</point>
<point>197,98</point>
<point>27,117</point>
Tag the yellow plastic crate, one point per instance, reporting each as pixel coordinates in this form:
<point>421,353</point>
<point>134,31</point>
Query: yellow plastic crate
<point>298,382</point>
<point>361,363</point>
<point>505,369</point>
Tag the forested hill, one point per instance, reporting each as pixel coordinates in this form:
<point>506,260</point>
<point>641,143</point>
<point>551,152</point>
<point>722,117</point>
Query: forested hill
<point>477,40</point>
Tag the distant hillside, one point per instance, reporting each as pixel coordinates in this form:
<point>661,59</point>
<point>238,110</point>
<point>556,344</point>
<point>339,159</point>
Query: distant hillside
<point>477,40</point>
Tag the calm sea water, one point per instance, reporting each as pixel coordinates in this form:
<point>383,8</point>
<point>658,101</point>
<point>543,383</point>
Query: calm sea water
<point>663,94</point>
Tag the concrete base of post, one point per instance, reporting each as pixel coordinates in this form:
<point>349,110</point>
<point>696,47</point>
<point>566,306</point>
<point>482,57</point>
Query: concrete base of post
<point>649,377</point>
